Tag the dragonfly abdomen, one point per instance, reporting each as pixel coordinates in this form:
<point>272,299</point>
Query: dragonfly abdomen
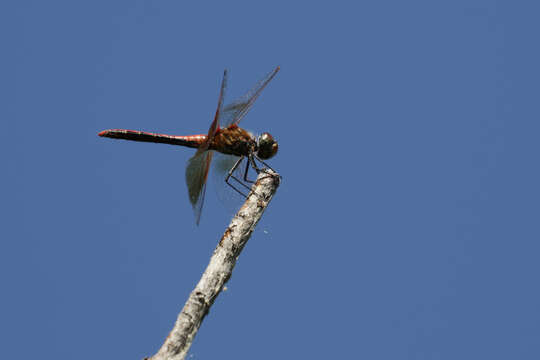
<point>192,141</point>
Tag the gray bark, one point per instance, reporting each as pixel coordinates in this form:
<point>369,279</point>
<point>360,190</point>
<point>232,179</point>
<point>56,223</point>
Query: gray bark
<point>219,270</point>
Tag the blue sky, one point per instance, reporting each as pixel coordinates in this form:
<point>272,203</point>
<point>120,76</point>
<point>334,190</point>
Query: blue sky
<point>406,226</point>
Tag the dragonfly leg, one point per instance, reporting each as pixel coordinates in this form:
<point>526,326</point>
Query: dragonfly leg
<point>248,163</point>
<point>253,163</point>
<point>257,169</point>
<point>230,175</point>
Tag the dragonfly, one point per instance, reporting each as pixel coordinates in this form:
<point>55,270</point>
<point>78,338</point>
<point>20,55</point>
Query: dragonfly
<point>224,136</point>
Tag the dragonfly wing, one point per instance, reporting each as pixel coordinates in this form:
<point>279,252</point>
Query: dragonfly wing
<point>235,111</point>
<point>196,175</point>
<point>198,166</point>
<point>214,127</point>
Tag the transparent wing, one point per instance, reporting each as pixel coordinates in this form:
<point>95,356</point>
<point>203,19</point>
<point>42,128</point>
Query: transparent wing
<point>214,127</point>
<point>196,175</point>
<point>198,166</point>
<point>235,111</point>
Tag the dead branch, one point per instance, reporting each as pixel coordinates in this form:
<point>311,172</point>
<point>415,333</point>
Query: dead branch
<point>220,268</point>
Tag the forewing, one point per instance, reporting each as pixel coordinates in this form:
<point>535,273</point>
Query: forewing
<point>196,175</point>
<point>199,165</point>
<point>235,111</point>
<point>214,127</point>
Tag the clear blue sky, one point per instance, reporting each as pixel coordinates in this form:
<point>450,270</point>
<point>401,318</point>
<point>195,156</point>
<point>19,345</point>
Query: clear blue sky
<point>407,223</point>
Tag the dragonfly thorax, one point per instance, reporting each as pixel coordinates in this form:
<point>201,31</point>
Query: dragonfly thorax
<point>234,140</point>
<point>266,146</point>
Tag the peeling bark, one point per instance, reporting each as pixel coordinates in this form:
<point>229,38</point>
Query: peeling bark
<point>219,270</point>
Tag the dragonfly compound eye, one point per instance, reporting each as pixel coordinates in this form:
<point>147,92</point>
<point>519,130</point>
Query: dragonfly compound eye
<point>268,147</point>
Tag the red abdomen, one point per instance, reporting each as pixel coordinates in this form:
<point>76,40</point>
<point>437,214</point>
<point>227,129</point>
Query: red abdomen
<point>192,141</point>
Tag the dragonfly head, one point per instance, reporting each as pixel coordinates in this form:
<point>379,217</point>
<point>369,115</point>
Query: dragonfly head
<point>266,146</point>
